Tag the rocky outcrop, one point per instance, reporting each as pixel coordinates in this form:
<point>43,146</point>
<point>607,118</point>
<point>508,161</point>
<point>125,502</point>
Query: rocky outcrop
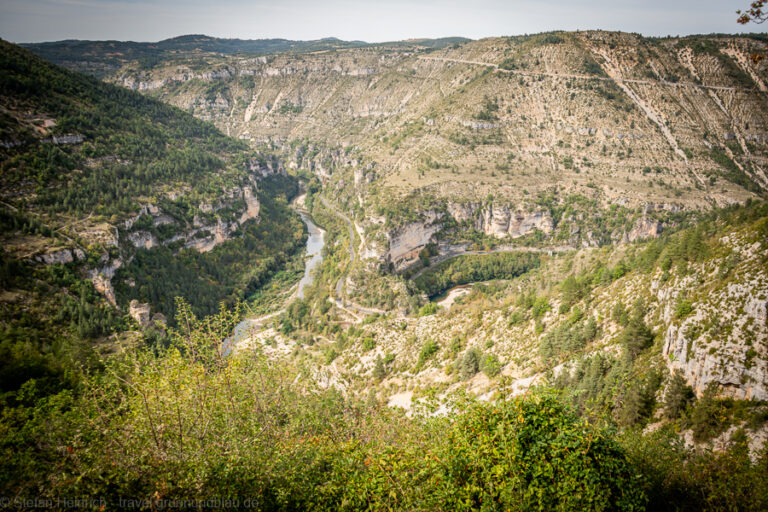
<point>142,81</point>
<point>645,227</point>
<point>219,233</point>
<point>723,344</point>
<point>62,256</point>
<point>101,278</point>
<point>64,139</point>
<point>252,205</point>
<point>103,285</point>
<point>147,209</point>
<point>143,239</point>
<point>140,312</point>
<point>266,167</point>
<point>501,221</point>
<point>406,242</point>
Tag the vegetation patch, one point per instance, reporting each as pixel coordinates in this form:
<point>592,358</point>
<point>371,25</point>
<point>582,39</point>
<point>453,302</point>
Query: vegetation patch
<point>474,267</point>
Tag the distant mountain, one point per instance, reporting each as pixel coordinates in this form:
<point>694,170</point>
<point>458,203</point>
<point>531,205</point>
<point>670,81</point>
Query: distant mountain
<point>98,57</point>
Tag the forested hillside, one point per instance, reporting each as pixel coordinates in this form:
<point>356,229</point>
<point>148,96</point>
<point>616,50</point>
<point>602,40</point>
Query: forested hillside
<point>110,196</point>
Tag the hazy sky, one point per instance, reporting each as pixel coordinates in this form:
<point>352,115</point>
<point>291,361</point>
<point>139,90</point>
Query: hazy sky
<point>368,20</point>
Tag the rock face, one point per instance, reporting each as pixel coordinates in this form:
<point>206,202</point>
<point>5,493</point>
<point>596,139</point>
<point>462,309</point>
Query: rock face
<point>60,256</point>
<point>143,240</point>
<point>406,242</point>
<point>645,228</point>
<point>724,344</point>
<point>101,278</point>
<point>266,167</point>
<point>140,312</point>
<point>252,205</point>
<point>403,245</point>
<point>103,285</point>
<point>501,221</point>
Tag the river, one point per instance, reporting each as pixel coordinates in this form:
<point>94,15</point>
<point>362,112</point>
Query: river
<point>315,243</point>
<point>314,256</point>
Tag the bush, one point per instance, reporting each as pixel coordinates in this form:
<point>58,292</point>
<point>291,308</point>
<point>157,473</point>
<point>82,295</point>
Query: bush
<point>533,454</point>
<point>683,308</point>
<point>677,479</point>
<point>490,365</point>
<point>428,350</point>
<point>430,308</point>
<point>369,343</point>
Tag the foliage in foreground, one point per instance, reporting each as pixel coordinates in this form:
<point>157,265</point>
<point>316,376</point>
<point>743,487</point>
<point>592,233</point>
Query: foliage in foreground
<point>188,423</point>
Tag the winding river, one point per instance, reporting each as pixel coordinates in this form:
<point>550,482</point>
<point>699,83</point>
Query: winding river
<point>314,256</point>
<point>315,243</point>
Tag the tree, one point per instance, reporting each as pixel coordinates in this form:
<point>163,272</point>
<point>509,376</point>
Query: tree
<point>636,336</point>
<point>533,454</point>
<point>470,364</point>
<point>379,370</point>
<point>679,394</point>
<point>754,14</point>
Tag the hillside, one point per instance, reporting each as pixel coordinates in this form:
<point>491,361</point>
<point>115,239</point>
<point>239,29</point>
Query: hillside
<point>585,137</point>
<point>112,205</point>
<point>577,370</point>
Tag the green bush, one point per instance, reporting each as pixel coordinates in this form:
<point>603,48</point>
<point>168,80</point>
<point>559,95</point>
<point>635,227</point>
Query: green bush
<point>428,350</point>
<point>469,364</point>
<point>533,454</point>
<point>430,308</point>
<point>683,308</point>
<point>490,365</point>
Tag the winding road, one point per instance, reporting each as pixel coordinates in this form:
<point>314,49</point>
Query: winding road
<point>339,301</point>
<point>586,77</point>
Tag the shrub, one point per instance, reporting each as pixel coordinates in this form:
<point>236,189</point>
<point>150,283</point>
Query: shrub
<point>430,308</point>
<point>490,365</point>
<point>533,454</point>
<point>369,343</point>
<point>540,306</point>
<point>683,308</point>
<point>428,350</point>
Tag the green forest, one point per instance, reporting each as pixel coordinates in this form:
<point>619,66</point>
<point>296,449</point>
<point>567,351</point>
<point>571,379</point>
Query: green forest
<point>231,272</point>
<point>136,150</point>
<point>474,267</point>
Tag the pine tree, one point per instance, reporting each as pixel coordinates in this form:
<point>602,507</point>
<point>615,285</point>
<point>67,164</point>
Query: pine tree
<point>678,396</point>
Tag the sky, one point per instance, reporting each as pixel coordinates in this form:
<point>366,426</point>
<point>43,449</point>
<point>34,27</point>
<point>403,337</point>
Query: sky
<point>23,21</point>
